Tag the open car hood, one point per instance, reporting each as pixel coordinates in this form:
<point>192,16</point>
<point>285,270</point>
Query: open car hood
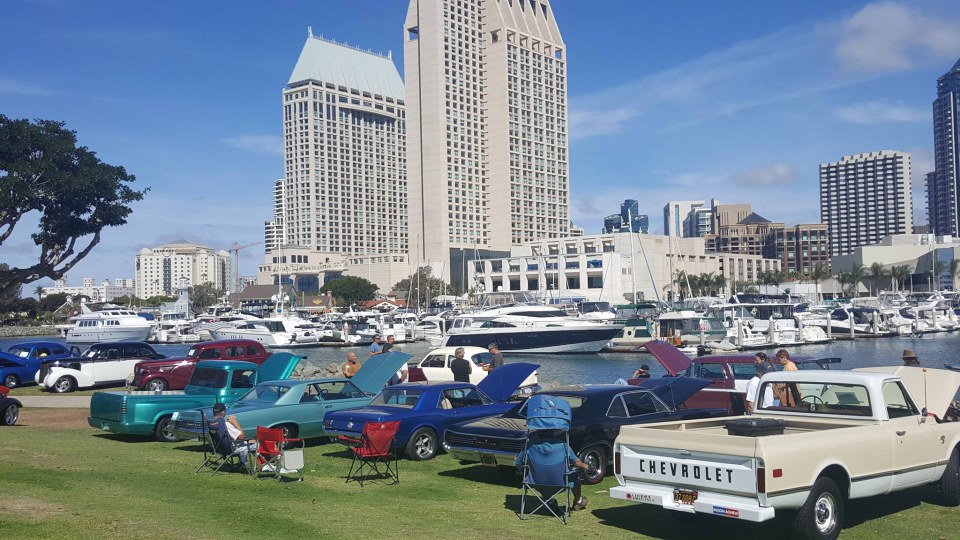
<point>9,360</point>
<point>502,382</point>
<point>930,388</point>
<point>674,390</point>
<point>374,374</point>
<point>278,366</point>
<point>669,356</point>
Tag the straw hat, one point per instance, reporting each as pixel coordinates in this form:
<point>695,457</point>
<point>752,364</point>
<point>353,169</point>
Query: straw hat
<point>907,353</point>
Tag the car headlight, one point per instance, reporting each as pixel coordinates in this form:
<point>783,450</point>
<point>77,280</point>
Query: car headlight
<point>175,416</point>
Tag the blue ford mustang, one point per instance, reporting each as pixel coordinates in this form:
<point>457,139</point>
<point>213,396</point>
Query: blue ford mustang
<point>425,410</point>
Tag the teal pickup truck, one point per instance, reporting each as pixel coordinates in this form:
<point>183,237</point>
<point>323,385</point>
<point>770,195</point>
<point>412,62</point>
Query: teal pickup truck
<point>213,381</point>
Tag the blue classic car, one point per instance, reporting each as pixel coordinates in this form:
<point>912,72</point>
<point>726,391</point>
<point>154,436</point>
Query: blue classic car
<point>426,409</point>
<point>298,406</point>
<point>598,413</point>
<point>20,364</point>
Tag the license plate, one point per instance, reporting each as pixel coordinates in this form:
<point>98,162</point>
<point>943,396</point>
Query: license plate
<point>684,496</point>
<point>488,460</point>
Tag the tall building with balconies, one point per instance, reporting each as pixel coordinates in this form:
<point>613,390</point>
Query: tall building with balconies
<point>487,148</point>
<point>865,197</point>
<point>943,184</point>
<point>160,269</point>
<point>344,191</point>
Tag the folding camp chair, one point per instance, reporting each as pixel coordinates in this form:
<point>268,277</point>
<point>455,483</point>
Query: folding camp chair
<point>221,449</point>
<point>274,455</point>
<point>548,473</point>
<point>375,453</point>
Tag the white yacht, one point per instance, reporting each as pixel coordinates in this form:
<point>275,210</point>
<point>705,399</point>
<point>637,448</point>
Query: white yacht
<point>517,324</point>
<point>109,325</point>
<point>283,332</point>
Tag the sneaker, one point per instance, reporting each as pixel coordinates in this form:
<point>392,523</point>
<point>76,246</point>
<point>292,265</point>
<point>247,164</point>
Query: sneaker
<point>267,467</point>
<point>580,504</point>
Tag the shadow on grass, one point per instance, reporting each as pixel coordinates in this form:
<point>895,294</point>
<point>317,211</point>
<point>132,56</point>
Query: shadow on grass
<point>862,510</point>
<point>513,503</point>
<point>498,476</point>
<point>121,437</point>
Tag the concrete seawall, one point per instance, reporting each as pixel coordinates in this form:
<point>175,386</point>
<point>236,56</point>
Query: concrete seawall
<point>27,331</point>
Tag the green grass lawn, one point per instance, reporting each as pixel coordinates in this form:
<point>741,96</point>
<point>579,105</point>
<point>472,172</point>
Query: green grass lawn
<point>62,479</point>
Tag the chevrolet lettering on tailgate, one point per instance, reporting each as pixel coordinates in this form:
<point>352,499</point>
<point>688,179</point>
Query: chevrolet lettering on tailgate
<point>682,470</point>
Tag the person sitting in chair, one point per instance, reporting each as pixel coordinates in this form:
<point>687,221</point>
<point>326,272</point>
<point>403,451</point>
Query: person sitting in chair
<point>579,501</point>
<point>241,445</point>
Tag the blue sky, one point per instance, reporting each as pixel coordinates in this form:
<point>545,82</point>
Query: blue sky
<point>669,100</point>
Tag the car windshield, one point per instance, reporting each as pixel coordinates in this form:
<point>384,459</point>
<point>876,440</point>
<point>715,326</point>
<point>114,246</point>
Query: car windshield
<point>19,351</point>
<point>575,403</point>
<point>265,392</point>
<point>194,351</point>
<point>90,353</point>
<point>819,398</point>
<point>398,397</point>
<point>209,378</point>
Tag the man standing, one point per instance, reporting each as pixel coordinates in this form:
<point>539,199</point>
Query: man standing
<point>754,385</point>
<point>784,358</point>
<point>376,346</point>
<point>350,367</point>
<point>497,359</point>
<point>461,367</point>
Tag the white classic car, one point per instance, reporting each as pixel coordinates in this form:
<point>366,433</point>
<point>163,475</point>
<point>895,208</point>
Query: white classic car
<point>831,436</point>
<point>102,364</point>
<point>435,366</point>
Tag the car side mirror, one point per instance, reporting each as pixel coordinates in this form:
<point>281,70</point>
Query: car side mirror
<point>923,415</point>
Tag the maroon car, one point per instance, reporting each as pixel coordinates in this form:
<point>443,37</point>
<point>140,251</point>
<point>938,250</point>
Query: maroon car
<point>174,373</point>
<point>728,374</point>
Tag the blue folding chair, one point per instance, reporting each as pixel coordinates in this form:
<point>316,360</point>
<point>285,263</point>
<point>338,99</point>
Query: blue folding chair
<point>545,461</point>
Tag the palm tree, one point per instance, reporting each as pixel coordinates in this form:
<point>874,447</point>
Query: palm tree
<point>876,273</point>
<point>843,278</point>
<point>818,274</point>
<point>719,283</point>
<point>899,274</point>
<point>857,274</point>
<point>39,292</point>
<point>935,274</point>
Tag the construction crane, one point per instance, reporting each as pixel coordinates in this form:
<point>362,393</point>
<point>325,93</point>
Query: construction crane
<point>235,250</point>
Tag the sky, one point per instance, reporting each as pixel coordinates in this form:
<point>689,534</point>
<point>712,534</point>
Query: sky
<point>669,100</point>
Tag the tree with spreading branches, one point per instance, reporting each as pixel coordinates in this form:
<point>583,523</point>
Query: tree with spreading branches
<point>73,195</point>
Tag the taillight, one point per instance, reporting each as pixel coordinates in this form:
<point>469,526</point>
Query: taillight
<point>761,478</point>
<point>123,406</point>
<point>616,461</point>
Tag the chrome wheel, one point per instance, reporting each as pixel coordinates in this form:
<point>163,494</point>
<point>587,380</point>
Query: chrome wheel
<point>10,381</point>
<point>597,460</point>
<point>825,515</point>
<point>63,384</point>
<point>11,414</point>
<point>157,385</point>
<point>422,445</point>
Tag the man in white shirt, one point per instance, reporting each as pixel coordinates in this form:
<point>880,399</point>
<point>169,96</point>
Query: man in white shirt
<point>754,385</point>
<point>241,446</point>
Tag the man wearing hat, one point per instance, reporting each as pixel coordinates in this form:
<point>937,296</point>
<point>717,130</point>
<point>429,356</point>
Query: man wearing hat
<point>754,385</point>
<point>910,359</point>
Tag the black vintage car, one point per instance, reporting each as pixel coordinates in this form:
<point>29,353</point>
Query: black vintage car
<point>9,408</point>
<point>598,412</point>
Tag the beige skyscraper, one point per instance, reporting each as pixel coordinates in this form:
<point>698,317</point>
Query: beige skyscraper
<point>487,143</point>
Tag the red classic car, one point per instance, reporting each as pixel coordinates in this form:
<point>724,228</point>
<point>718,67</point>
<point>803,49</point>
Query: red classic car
<point>728,374</point>
<point>174,373</point>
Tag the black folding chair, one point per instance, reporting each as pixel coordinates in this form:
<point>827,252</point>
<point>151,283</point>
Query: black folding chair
<point>221,451</point>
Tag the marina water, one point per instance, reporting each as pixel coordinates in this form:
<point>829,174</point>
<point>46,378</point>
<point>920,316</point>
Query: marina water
<point>933,350</point>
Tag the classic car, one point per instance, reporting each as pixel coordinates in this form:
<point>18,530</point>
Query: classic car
<point>598,413</point>
<point>9,408</point>
<point>20,364</point>
<point>213,381</point>
<point>102,364</point>
<point>727,374</point>
<point>298,406</point>
<point>851,434</point>
<point>435,366</point>
<point>175,373</point>
<point>426,409</point>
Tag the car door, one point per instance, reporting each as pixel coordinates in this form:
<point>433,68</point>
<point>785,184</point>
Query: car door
<point>99,367</point>
<point>436,367</point>
<point>917,443</point>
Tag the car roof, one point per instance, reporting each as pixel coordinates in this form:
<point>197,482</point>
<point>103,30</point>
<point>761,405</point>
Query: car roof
<point>37,344</point>
<point>587,390</point>
<point>222,342</point>
<point>294,382</point>
<point>837,376</point>
<point>114,343</point>
<point>226,364</point>
<point>467,350</point>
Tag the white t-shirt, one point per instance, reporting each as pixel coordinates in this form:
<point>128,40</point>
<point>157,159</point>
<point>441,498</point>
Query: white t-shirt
<point>232,431</point>
<point>753,387</point>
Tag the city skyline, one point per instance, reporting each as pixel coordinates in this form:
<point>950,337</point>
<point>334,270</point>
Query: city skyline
<point>158,89</point>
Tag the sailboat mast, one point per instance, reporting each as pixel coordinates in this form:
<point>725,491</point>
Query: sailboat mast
<point>633,257</point>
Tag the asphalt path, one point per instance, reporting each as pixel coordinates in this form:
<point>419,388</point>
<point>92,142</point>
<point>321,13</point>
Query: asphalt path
<point>57,402</point>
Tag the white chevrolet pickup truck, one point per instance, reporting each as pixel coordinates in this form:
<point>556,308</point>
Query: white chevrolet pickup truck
<point>846,435</point>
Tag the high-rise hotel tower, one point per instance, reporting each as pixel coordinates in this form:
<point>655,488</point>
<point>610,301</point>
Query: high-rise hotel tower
<point>943,184</point>
<point>486,88</point>
<point>865,197</point>
<point>344,190</point>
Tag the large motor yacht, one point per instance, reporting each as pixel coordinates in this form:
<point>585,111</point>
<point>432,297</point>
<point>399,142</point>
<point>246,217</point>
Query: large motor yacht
<point>109,325</point>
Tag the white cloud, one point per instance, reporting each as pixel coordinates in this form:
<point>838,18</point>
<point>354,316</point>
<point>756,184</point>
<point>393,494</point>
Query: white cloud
<point>886,36</point>
<point>774,175</point>
<point>270,145</point>
<point>881,112</point>
<point>10,86</point>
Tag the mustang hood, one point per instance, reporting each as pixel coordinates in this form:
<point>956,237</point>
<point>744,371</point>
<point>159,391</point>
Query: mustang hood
<point>930,388</point>
<point>279,366</point>
<point>672,359</point>
<point>674,390</point>
<point>502,382</point>
<point>377,370</point>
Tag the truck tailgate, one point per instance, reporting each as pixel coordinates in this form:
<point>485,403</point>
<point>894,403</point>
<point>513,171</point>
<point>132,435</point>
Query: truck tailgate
<point>677,468</point>
<point>108,405</point>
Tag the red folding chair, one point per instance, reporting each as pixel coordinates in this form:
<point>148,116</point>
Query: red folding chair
<point>376,453</point>
<point>271,447</point>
